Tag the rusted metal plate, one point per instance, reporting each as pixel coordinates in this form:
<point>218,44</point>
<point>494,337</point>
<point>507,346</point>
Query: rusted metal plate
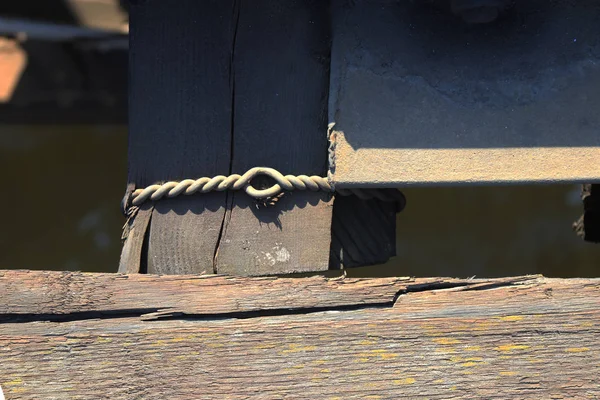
<point>419,97</point>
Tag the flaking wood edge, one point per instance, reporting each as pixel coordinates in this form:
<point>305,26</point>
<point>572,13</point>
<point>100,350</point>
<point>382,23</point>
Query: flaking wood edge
<point>526,337</point>
<point>68,296</point>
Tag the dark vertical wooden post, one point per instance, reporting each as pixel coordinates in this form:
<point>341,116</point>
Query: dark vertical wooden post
<point>180,125</point>
<point>217,88</point>
<point>281,83</point>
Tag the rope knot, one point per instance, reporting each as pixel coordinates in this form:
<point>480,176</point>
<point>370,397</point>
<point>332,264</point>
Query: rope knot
<point>221,183</point>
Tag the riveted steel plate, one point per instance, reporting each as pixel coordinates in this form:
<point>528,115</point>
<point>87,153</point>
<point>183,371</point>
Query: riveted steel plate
<point>419,97</point>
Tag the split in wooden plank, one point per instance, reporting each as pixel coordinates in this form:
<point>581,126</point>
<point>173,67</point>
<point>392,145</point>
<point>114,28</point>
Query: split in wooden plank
<point>528,337</point>
<point>219,88</point>
<point>280,83</point>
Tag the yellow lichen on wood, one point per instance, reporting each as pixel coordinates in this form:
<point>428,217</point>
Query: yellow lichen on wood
<point>512,318</point>
<point>511,347</point>
<point>405,381</point>
<point>577,349</point>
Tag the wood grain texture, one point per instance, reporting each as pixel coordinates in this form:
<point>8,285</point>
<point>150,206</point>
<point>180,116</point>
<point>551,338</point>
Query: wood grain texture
<point>527,337</point>
<point>133,259</point>
<point>219,88</point>
<point>59,293</point>
<point>280,74</point>
<point>180,123</point>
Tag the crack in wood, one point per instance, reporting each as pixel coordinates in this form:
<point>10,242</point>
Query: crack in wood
<point>172,313</point>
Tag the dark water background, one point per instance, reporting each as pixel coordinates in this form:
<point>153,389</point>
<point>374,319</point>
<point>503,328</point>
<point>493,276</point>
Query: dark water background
<point>61,188</point>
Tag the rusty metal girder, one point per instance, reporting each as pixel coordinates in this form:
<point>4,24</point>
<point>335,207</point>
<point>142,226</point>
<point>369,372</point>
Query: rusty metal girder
<point>419,97</point>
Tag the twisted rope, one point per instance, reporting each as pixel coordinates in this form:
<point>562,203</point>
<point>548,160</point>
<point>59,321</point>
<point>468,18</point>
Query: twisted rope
<point>243,182</point>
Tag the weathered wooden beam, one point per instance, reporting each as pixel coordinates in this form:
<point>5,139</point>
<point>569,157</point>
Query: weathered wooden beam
<point>280,85</point>
<point>216,89</point>
<point>73,292</point>
<point>418,97</point>
<point>180,127</point>
<point>528,337</point>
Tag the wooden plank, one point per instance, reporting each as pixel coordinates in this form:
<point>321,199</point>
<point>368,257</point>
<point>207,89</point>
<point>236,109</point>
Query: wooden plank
<point>133,254</point>
<point>281,82</point>
<point>218,89</point>
<point>59,293</point>
<point>444,103</point>
<point>180,123</point>
<point>513,338</point>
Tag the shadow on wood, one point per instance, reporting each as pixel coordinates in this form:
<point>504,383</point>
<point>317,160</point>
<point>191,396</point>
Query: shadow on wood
<point>104,335</point>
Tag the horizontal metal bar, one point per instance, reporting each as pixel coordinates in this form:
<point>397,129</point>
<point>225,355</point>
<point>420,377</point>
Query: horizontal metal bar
<point>435,102</point>
<point>409,167</point>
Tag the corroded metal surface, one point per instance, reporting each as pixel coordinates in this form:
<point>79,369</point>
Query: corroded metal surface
<point>422,98</point>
